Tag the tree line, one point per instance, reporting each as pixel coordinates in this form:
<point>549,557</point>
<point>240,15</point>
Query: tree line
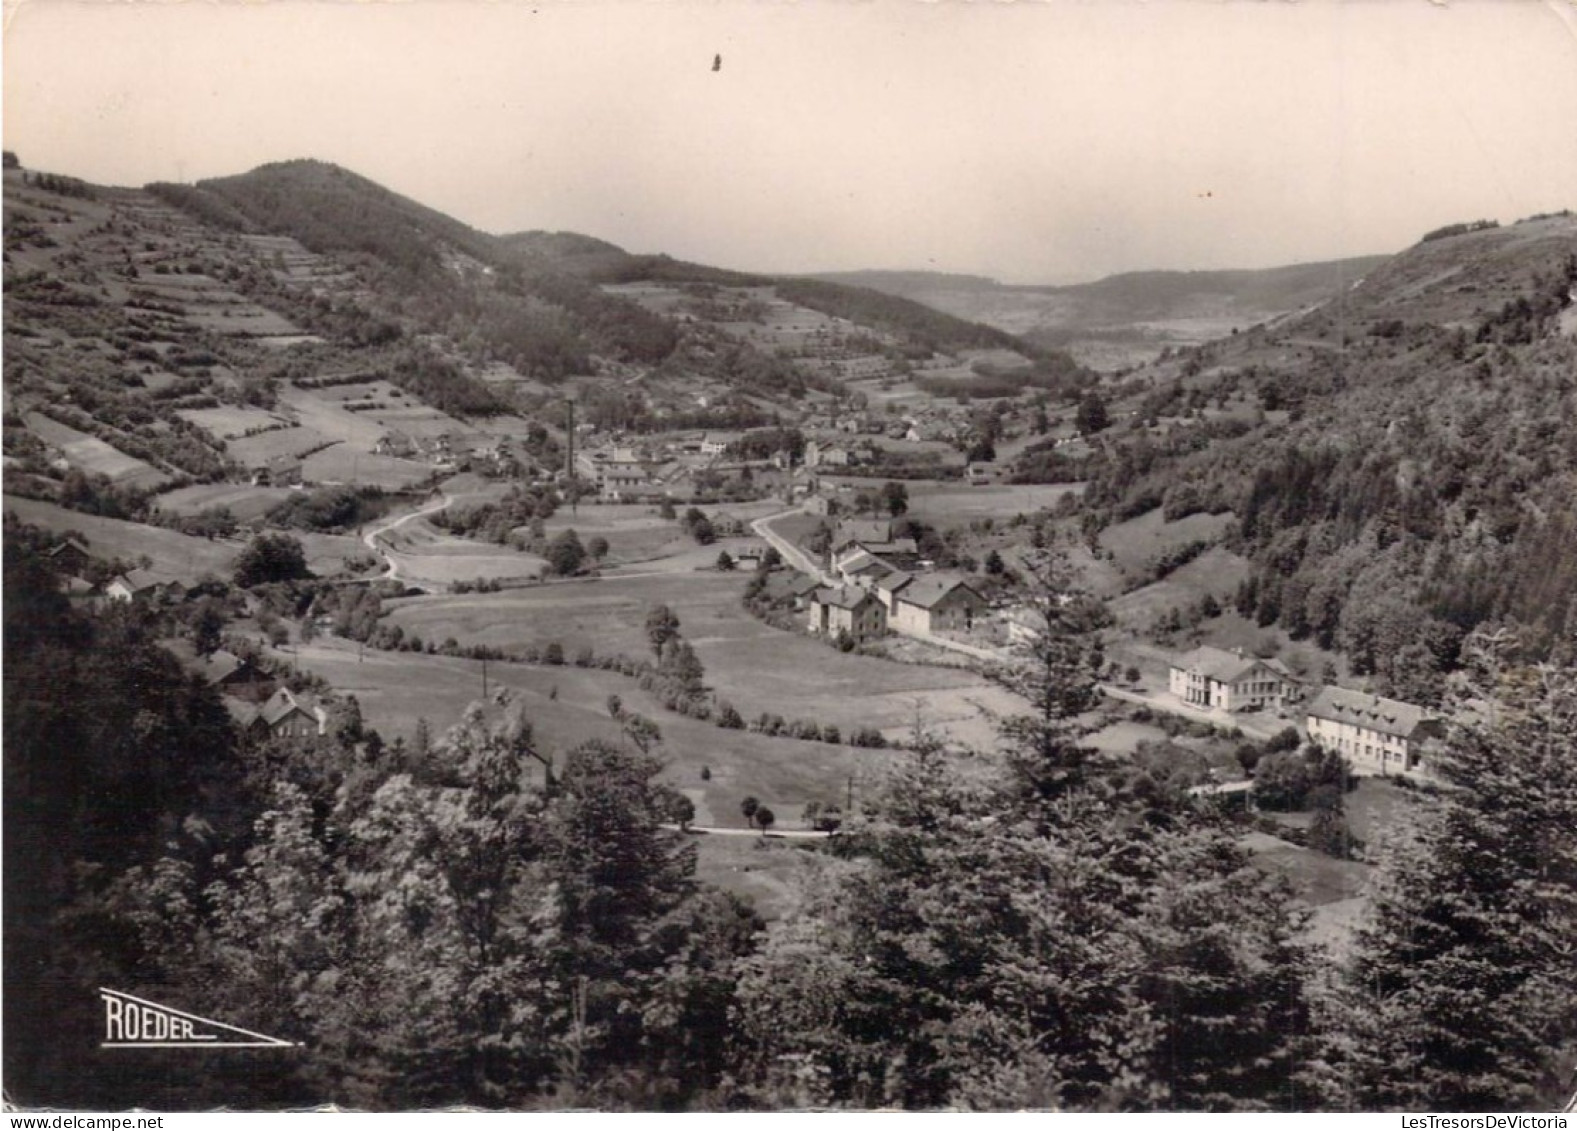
<point>481,919</point>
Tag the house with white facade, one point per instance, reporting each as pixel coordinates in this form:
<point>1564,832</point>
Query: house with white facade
<point>1216,679</point>
<point>847,609</point>
<point>1377,736</point>
<point>931,604</point>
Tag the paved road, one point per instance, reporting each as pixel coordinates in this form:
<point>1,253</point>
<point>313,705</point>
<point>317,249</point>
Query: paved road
<point>1255,726</point>
<point>723,830</point>
<point>792,554</point>
<point>391,571</point>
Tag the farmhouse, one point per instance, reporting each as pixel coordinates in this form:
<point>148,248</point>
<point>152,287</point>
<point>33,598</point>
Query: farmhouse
<point>827,455</point>
<point>232,675</point>
<point>70,558</point>
<point>928,605</point>
<point>860,567</point>
<point>1377,736</point>
<point>281,471</point>
<point>140,585</point>
<point>1230,681</point>
<point>875,539</point>
<point>846,609</point>
<point>396,443</point>
<point>887,587</point>
<point>802,589</point>
<point>287,715</point>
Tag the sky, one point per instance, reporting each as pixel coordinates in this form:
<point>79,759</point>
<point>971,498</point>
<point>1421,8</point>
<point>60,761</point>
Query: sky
<point>1032,141</point>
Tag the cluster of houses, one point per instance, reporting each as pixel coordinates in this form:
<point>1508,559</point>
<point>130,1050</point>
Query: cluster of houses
<point>1377,736</point>
<point>72,560</point>
<point>257,701</point>
<point>659,469</point>
<point>885,587</point>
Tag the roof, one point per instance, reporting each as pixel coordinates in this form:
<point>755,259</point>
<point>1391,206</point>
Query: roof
<point>1388,716</point>
<point>216,667</point>
<point>69,544</point>
<point>864,532</point>
<point>862,561</point>
<point>844,597</point>
<point>894,581</point>
<point>1225,667</point>
<point>803,585</point>
<point>927,592</point>
<point>137,580</point>
<point>283,703</point>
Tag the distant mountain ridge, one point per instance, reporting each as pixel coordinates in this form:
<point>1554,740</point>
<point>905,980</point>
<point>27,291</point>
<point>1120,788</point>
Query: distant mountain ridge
<point>1129,317</point>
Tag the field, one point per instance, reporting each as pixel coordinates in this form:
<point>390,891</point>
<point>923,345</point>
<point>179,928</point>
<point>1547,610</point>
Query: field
<point>230,421</point>
<point>754,666</point>
<point>568,705</point>
<point>319,410</point>
<point>636,533</point>
<point>93,455</point>
<point>259,451</point>
<point>947,503</point>
<point>424,553</point>
<point>1315,877</point>
<point>242,500</point>
<point>608,615</point>
<point>1139,541</point>
<point>172,554</point>
<point>1217,572</point>
<point>340,464</point>
<point>327,553</point>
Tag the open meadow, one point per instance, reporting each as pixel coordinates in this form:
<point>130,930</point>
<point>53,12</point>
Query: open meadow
<point>94,456</point>
<point>1139,541</point>
<point>569,705</point>
<point>240,499</point>
<point>172,554</point>
<point>948,503</point>
<point>752,665</point>
<point>283,443</point>
<point>230,422</point>
<point>425,554</point>
<point>341,464</point>
<point>1216,572</point>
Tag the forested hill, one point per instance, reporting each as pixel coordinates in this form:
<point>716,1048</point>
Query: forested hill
<point>1415,472</point>
<point>531,298</point>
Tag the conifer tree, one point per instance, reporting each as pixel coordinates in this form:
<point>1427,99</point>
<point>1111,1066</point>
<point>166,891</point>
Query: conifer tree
<point>1463,980</point>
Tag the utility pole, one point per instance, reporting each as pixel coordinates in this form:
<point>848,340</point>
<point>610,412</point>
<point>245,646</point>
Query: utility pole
<point>569,470</point>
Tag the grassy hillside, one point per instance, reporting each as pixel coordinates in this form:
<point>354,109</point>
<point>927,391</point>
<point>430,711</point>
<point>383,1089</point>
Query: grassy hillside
<point>1413,475</point>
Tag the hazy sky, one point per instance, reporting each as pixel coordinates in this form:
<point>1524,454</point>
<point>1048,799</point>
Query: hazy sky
<point>1030,141</point>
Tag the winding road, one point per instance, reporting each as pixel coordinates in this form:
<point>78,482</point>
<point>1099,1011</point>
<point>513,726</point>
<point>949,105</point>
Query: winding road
<point>391,571</point>
<point>792,554</point>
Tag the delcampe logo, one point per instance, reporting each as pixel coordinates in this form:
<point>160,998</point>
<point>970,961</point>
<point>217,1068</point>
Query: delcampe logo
<point>133,1022</point>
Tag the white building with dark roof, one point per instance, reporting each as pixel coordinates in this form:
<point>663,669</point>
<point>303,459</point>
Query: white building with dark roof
<point>847,609</point>
<point>1375,735</point>
<point>1230,681</point>
<point>935,603</point>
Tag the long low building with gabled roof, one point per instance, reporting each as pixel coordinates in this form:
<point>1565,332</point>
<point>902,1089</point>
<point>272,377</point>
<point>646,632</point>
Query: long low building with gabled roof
<point>1230,681</point>
<point>1375,735</point>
